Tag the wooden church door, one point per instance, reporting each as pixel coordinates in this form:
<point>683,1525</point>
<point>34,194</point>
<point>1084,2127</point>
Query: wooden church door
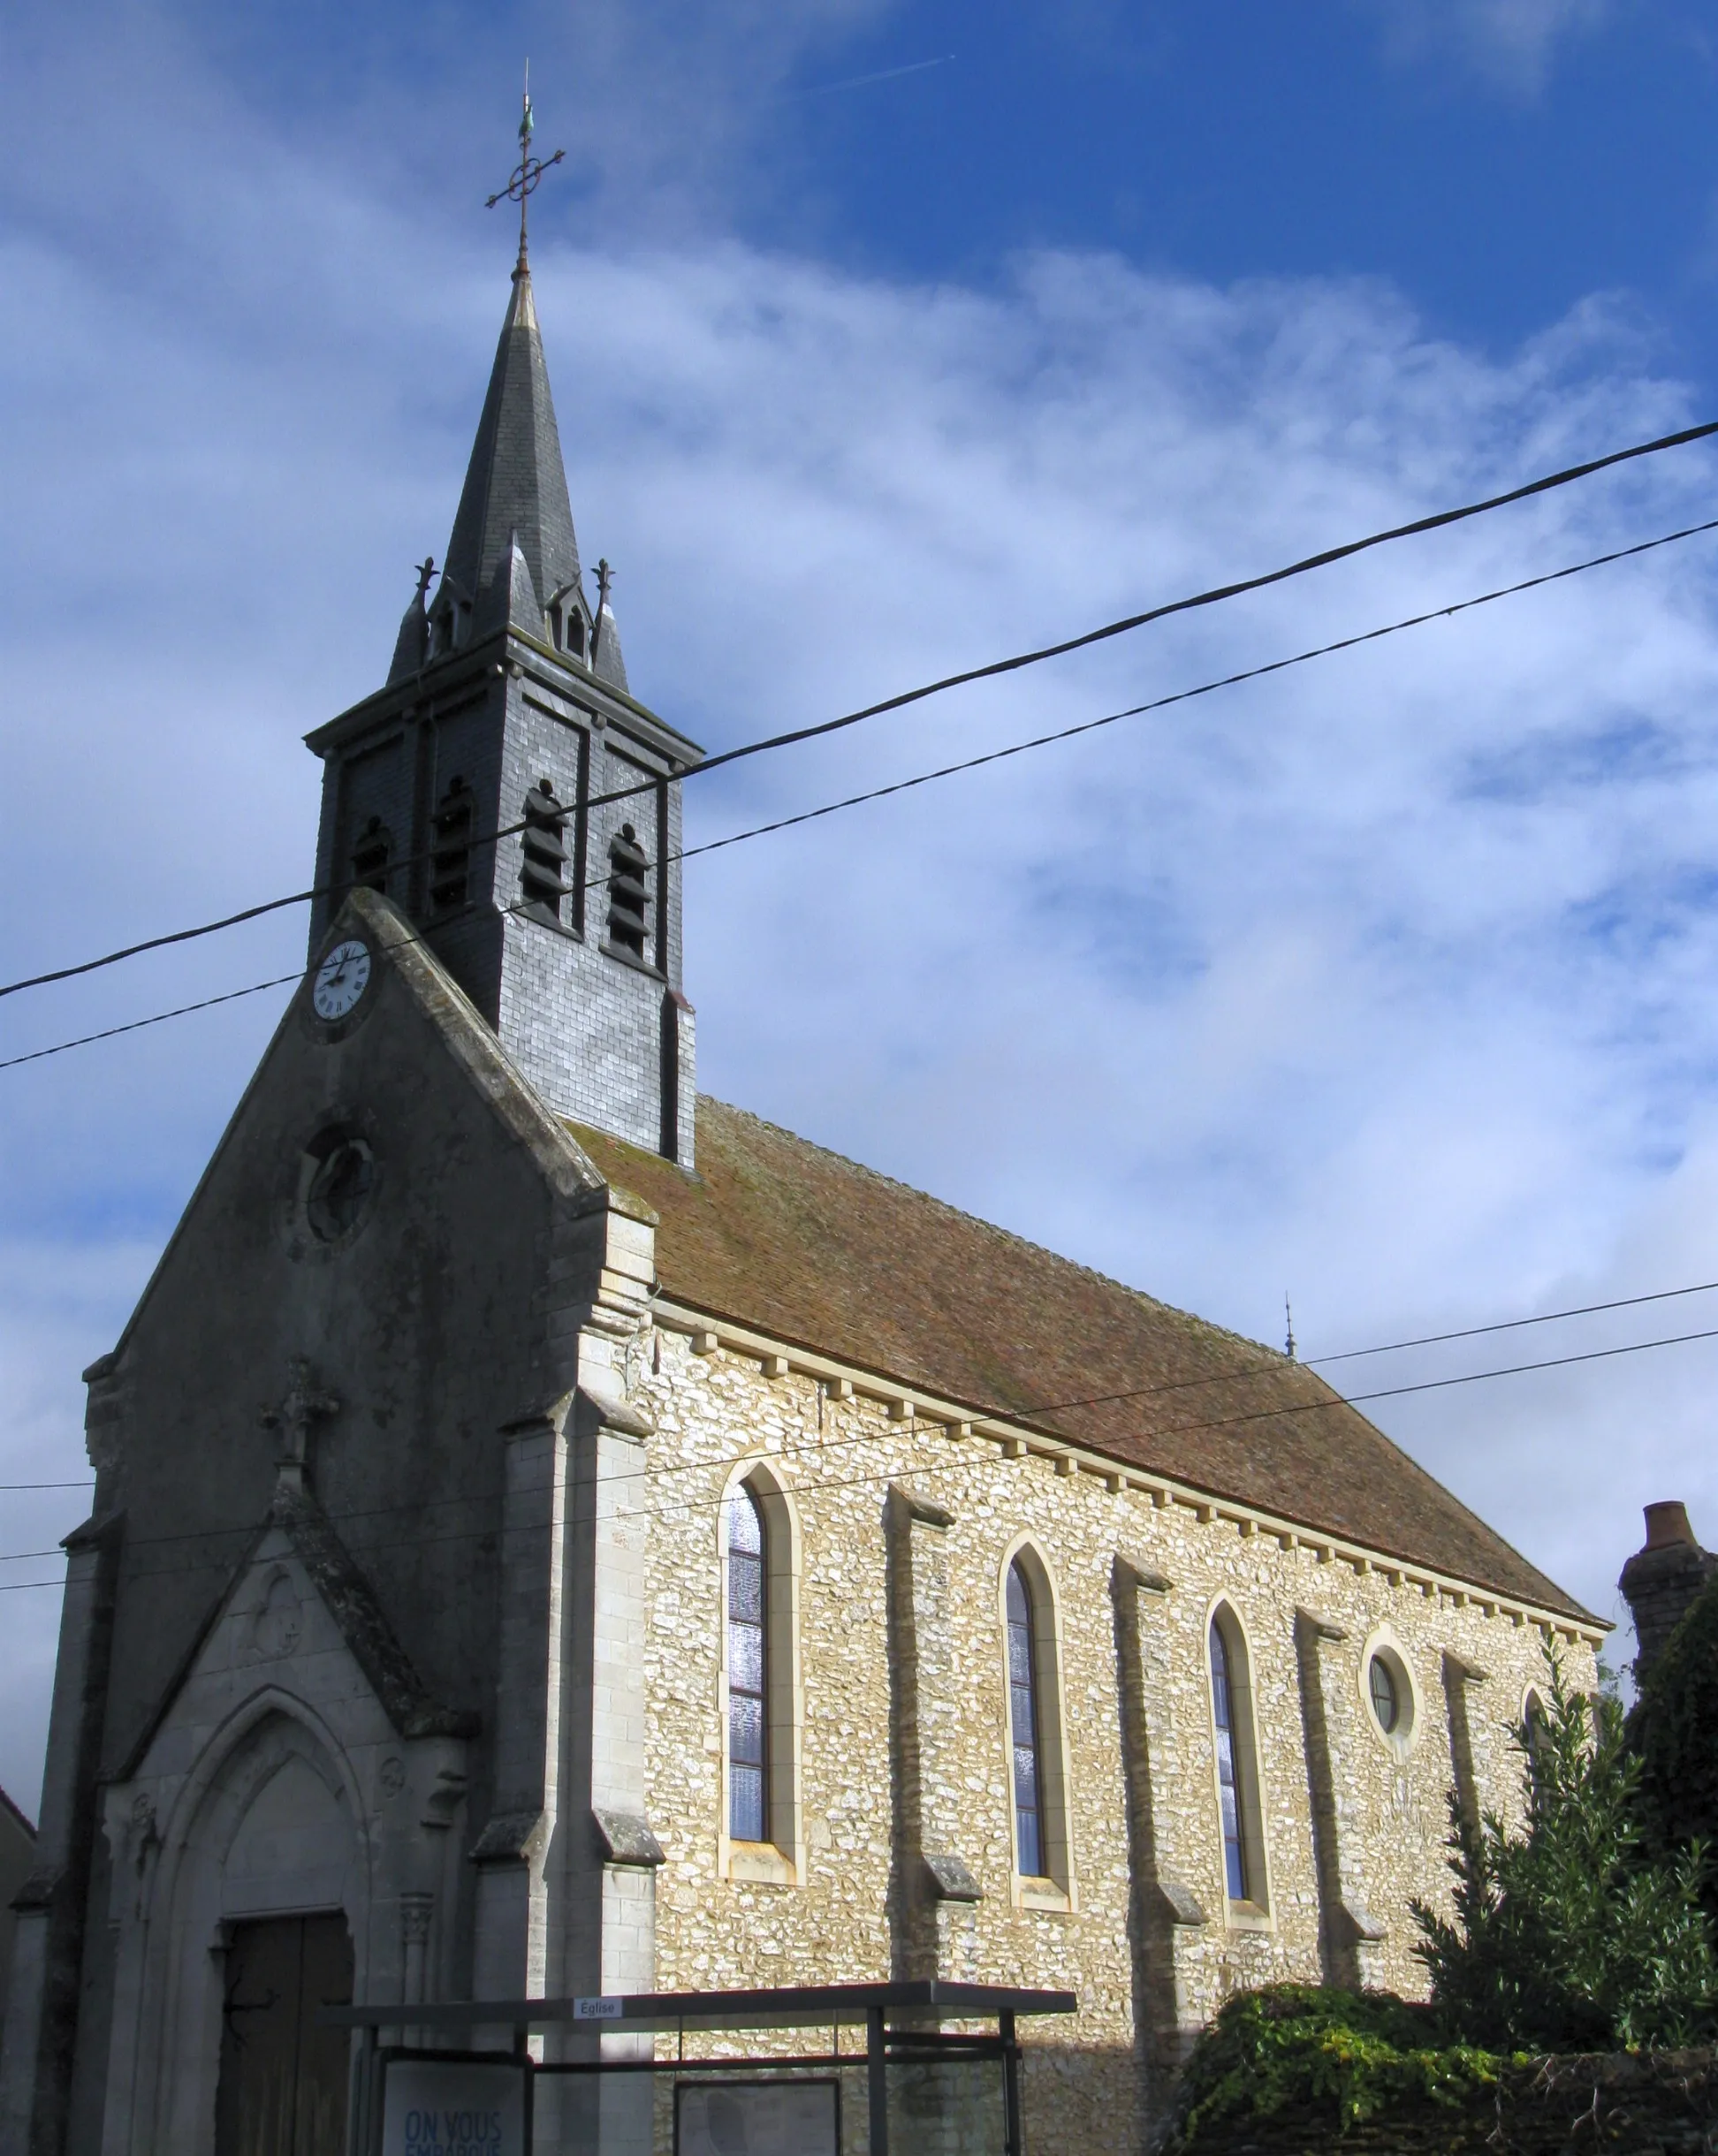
<point>282,2085</point>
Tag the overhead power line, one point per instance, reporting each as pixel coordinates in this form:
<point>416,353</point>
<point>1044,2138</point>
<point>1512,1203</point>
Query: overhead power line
<point>1513,1324</point>
<point>1272,1366</point>
<point>945,771</point>
<point>1275,1362</point>
<point>1187,695</point>
<point>825,1446</point>
<point>183,1010</point>
<point>1215,596</point>
<point>1212,598</point>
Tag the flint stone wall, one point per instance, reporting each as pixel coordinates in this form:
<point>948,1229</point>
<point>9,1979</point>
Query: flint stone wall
<point>1353,1827</point>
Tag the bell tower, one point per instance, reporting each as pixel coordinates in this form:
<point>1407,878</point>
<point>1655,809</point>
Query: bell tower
<point>509,794</point>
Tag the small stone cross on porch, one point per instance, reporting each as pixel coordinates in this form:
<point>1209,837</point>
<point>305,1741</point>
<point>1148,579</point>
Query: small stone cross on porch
<point>302,1408</point>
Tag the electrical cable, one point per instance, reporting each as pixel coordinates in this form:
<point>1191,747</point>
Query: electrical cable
<point>1512,1325</point>
<point>810,1487</point>
<point>1186,696</point>
<point>416,936</point>
<point>1276,1364</point>
<point>1215,596</point>
<point>903,785</point>
<point>135,1025</point>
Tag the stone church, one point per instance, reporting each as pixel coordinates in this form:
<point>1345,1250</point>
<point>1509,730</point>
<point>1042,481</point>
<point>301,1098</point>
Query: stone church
<point>558,1535</point>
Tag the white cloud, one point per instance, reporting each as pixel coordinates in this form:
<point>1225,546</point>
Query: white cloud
<point>1387,981</point>
<point>1512,42</point>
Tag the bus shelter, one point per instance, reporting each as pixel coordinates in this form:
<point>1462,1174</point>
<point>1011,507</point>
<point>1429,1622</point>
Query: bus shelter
<point>877,2069</point>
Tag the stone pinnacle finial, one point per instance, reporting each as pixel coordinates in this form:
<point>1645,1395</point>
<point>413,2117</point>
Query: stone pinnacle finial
<point>293,1421</point>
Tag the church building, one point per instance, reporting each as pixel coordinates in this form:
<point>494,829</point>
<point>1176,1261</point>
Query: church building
<point>556,1535</point>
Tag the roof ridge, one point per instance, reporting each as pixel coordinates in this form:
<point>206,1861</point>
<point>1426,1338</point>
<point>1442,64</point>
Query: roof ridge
<point>1007,1234</point>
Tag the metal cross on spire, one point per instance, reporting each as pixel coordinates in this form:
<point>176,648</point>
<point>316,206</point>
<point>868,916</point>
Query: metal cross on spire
<point>528,173</point>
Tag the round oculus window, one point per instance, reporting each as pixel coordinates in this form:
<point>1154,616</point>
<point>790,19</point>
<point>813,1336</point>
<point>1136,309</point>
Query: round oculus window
<point>1386,1698</point>
<point>339,1186</point>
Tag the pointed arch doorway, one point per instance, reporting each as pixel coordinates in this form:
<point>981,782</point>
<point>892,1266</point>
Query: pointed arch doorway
<point>283,2082</point>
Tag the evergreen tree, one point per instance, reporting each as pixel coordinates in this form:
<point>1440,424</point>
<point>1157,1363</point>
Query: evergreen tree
<point>1674,1728</point>
<point>1572,1935</point>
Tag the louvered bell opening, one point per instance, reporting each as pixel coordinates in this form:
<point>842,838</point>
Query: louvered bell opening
<point>629,897</point>
<point>450,864</point>
<point>542,878</point>
<point>371,855</point>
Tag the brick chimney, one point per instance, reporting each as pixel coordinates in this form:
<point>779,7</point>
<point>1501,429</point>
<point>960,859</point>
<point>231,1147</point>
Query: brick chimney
<point>1661,1581</point>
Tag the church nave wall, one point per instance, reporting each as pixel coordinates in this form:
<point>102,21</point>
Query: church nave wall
<point>904,1536</point>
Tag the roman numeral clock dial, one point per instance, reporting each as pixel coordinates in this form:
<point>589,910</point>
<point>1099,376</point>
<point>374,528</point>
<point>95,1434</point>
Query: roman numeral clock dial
<point>341,979</point>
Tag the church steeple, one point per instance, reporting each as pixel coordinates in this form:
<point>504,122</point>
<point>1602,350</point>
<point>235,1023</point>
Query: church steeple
<point>509,794</point>
<point>515,491</point>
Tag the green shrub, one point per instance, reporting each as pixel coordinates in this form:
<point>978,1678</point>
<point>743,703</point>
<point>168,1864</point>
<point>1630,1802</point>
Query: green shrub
<point>1571,1936</point>
<point>1333,2058</point>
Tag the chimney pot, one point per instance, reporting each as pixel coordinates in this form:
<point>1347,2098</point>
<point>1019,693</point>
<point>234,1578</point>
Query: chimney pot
<point>1667,1522</point>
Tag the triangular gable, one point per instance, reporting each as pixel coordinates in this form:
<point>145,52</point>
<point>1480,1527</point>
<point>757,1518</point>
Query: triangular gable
<point>297,1523</point>
<point>469,1040</point>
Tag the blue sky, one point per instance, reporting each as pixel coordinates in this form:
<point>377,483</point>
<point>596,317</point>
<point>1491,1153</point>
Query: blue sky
<point>1387,981</point>
<point>1497,160</point>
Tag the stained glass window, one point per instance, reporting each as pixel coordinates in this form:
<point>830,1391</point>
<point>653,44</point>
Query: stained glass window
<point>748,1719</point>
<point>1381,1681</point>
<point>1025,1725</point>
<point>1228,1790</point>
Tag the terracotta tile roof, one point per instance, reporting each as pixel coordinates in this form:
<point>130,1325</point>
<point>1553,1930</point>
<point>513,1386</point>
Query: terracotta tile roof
<point>819,1253</point>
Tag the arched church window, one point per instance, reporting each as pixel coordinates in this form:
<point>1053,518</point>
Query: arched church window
<point>629,895</point>
<point>748,1672</point>
<point>543,877</point>
<point>1025,1726</point>
<point>371,856</point>
<point>450,861</point>
<point>1532,1733</point>
<point>566,621</point>
<point>1237,1777</point>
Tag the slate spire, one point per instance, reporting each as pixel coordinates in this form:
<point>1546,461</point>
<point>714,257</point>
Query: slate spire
<point>604,636</point>
<point>515,488</point>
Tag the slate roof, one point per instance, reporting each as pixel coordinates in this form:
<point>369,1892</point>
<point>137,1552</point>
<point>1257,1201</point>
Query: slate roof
<point>817,1252</point>
<point>515,487</point>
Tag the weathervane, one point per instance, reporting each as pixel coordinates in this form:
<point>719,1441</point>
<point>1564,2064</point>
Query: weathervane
<point>528,173</point>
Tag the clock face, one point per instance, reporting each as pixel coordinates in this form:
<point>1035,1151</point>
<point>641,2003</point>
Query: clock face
<point>341,979</point>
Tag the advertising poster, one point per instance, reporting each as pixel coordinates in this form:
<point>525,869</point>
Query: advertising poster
<point>455,2107</point>
<point>757,2118</point>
